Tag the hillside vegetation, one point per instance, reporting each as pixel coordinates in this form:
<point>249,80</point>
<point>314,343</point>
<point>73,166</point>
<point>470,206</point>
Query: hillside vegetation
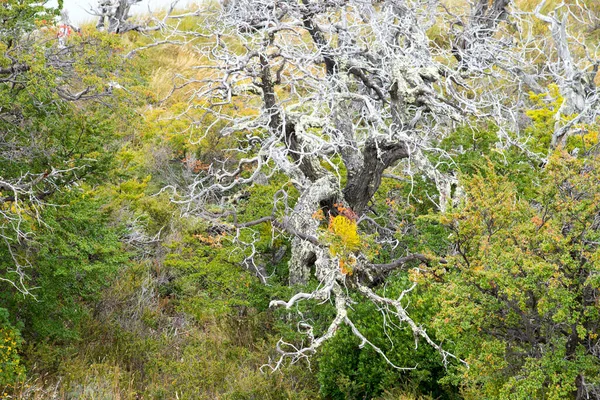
<point>302,200</point>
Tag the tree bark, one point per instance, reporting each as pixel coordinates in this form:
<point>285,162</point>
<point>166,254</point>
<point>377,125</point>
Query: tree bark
<point>306,255</point>
<point>377,156</point>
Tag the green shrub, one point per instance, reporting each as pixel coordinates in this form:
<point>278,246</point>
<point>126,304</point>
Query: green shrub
<point>11,369</point>
<point>347,371</point>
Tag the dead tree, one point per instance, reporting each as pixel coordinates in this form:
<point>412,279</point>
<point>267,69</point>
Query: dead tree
<point>336,93</point>
<point>114,17</point>
<point>574,75</point>
<point>117,14</point>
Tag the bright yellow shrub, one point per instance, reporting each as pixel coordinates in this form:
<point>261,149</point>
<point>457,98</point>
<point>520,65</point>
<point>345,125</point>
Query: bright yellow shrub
<point>346,231</point>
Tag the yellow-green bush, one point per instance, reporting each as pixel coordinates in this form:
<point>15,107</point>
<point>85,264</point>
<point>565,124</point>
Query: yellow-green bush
<point>11,369</point>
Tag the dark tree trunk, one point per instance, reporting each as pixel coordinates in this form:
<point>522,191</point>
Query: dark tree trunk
<point>117,16</point>
<point>487,16</point>
<point>572,342</point>
<point>362,185</point>
<point>580,390</point>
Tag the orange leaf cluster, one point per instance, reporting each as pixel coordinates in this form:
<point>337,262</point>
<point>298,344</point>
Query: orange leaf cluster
<point>212,241</point>
<point>346,211</point>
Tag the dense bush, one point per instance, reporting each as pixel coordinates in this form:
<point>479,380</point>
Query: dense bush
<point>11,367</point>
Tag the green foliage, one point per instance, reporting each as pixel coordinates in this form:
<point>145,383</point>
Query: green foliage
<point>587,140</point>
<point>209,278</point>
<point>347,371</point>
<point>20,16</point>
<point>11,368</point>
<point>472,149</point>
<point>543,117</point>
<point>75,254</point>
<point>58,125</point>
<point>517,300</point>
